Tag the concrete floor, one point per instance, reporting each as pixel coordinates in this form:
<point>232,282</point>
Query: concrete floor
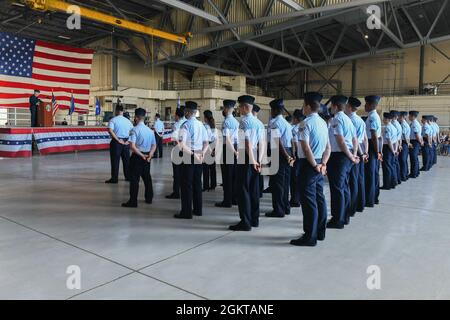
<point>56,211</point>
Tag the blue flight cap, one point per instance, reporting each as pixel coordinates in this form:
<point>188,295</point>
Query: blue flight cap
<point>388,115</point>
<point>256,108</point>
<point>403,113</point>
<point>277,104</point>
<point>180,112</point>
<point>395,113</point>
<point>372,99</point>
<point>339,99</point>
<point>354,102</point>
<point>139,112</point>
<point>414,113</point>
<point>191,105</point>
<point>229,104</point>
<point>246,99</point>
<point>312,97</point>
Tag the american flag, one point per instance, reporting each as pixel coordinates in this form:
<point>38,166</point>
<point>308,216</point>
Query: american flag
<point>55,105</point>
<point>27,64</point>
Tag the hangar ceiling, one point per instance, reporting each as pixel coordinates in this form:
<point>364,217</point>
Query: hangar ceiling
<point>260,39</point>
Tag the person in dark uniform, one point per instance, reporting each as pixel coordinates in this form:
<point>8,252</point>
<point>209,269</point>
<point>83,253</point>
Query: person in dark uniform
<point>176,168</point>
<point>119,129</point>
<point>34,103</point>
<point>193,142</point>
<point>209,166</point>
<point>143,145</point>
<point>427,134</point>
<point>230,130</point>
<point>255,111</point>
<point>403,157</point>
<point>313,151</point>
<point>158,126</point>
<point>356,181</point>
<point>372,167</point>
<point>297,117</point>
<point>415,143</point>
<point>280,182</point>
<point>344,154</point>
<point>389,165</point>
<point>248,167</point>
<point>398,143</point>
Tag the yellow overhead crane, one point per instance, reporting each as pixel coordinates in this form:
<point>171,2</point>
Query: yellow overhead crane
<point>62,6</point>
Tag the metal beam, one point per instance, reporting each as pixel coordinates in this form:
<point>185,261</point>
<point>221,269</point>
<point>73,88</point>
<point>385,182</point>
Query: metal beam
<point>191,9</point>
<point>205,66</point>
<point>292,4</point>
<point>276,52</point>
<point>437,19</point>
<point>291,15</point>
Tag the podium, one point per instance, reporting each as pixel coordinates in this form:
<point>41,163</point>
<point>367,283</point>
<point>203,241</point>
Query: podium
<point>45,115</point>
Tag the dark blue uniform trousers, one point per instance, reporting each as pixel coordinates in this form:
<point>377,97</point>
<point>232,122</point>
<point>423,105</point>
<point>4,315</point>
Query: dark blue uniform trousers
<point>389,168</point>
<point>353,182</point>
<point>339,167</point>
<point>279,186</point>
<point>228,178</point>
<point>34,116</point>
<point>372,177</point>
<point>248,194</point>
<point>191,189</point>
<point>397,169</point>
<point>140,168</point>
<point>295,176</point>
<point>361,197</point>
<point>414,158</point>
<point>176,168</point>
<point>434,152</point>
<point>119,151</point>
<point>312,200</point>
<point>403,158</point>
<point>426,155</point>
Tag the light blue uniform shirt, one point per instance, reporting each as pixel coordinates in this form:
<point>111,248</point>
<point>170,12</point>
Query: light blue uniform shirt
<point>427,130</point>
<point>252,129</point>
<point>389,133</point>
<point>359,125</point>
<point>159,126</point>
<point>143,137</point>
<point>230,127</point>
<point>314,131</point>
<point>435,127</point>
<point>193,134</point>
<point>262,129</point>
<point>121,126</point>
<point>398,129</point>
<point>373,122</point>
<point>341,125</point>
<point>284,130</point>
<point>406,130</point>
<point>176,128</point>
<point>416,128</point>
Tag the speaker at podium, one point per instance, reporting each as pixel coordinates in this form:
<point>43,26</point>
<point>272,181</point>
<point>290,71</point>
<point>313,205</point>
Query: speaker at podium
<point>45,115</point>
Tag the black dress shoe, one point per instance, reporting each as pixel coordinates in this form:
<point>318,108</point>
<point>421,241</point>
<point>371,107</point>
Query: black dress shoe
<point>377,201</point>
<point>148,201</point>
<point>334,225</point>
<point>197,214</point>
<point>181,216</point>
<point>255,225</point>
<point>321,237</point>
<point>274,215</point>
<point>303,241</point>
<point>240,227</point>
<point>385,188</point>
<point>294,204</point>
<point>111,181</point>
<point>129,205</point>
<point>234,203</point>
<point>173,196</point>
<point>267,190</point>
<point>222,205</point>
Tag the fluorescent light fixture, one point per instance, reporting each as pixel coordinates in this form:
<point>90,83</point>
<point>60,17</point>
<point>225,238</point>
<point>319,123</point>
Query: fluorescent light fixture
<point>18,4</point>
<point>64,37</point>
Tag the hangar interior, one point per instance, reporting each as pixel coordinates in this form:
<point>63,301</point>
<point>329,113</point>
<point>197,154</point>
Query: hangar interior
<point>56,211</point>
